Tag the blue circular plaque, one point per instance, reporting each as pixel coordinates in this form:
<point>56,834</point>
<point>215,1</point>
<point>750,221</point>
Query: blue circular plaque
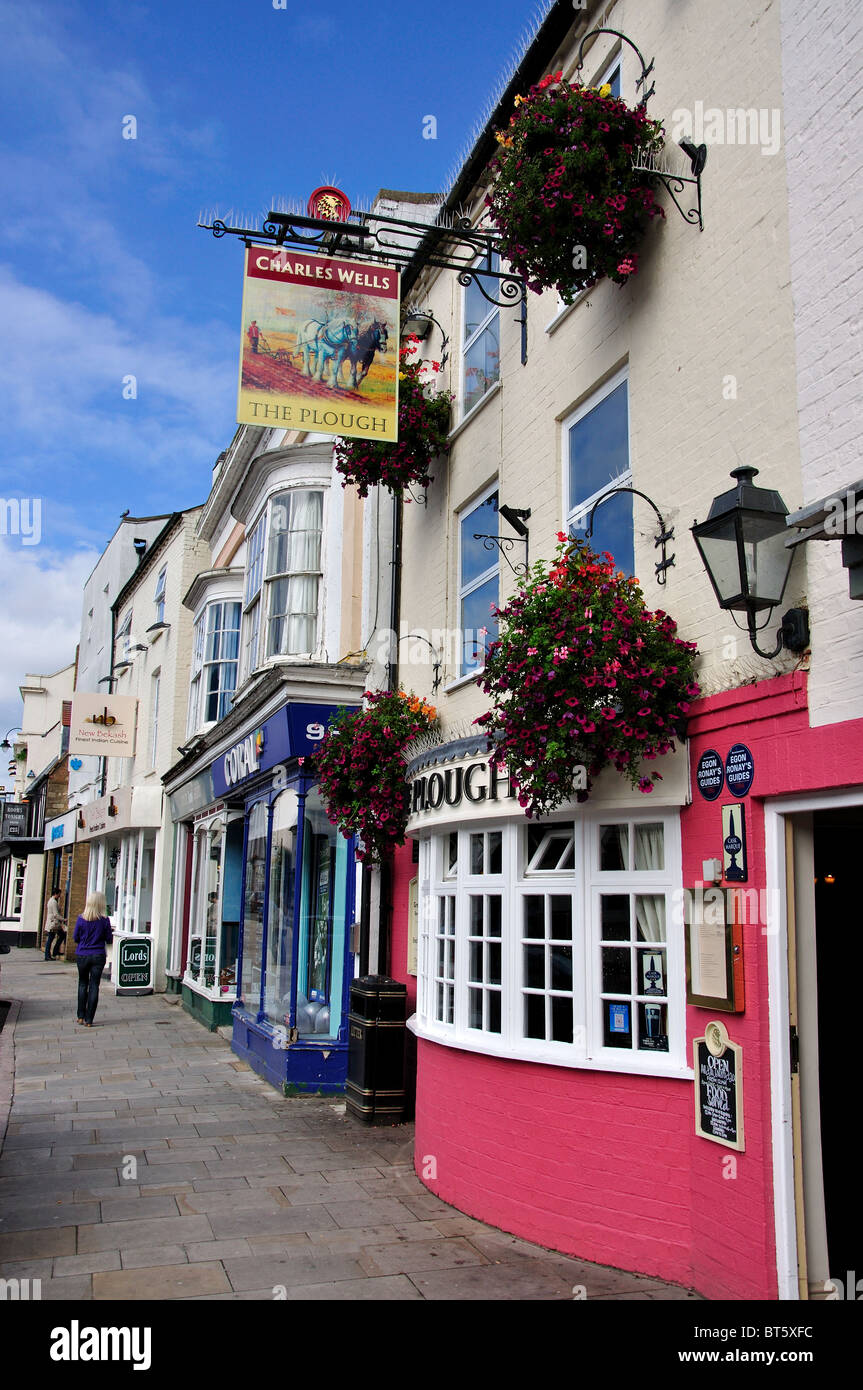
<point>709,776</point>
<point>739,769</point>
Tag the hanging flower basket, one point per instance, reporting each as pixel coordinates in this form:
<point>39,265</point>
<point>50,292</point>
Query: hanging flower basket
<point>583,674</point>
<point>423,427</point>
<point>568,204</point>
<point>361,772</point>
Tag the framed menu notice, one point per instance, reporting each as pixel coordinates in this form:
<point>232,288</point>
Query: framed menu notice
<point>714,973</point>
<point>718,1064</point>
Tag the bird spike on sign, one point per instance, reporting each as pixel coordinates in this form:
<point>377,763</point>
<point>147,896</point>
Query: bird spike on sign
<point>329,204</point>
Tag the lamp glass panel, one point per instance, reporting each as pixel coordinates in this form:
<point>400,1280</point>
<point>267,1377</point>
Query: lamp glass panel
<point>720,555</point>
<point>767,558</point>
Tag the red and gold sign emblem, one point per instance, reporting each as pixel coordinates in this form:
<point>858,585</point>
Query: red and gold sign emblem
<point>329,205</point>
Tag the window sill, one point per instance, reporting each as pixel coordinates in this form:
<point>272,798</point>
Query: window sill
<point>474,411</point>
<point>213,992</point>
<point>462,681</point>
<point>670,1068</point>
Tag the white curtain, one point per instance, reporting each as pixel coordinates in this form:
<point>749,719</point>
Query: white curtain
<point>304,538</point>
<point>650,915</point>
<point>649,847</point>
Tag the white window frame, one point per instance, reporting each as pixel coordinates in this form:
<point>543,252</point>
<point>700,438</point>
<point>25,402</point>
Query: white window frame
<point>197,683</point>
<point>159,594</point>
<point>467,342</point>
<point>584,880</point>
<point>465,590</point>
<point>253,598</point>
<point>581,511</point>
<point>124,635</point>
<point>270,580</point>
<point>155,684</point>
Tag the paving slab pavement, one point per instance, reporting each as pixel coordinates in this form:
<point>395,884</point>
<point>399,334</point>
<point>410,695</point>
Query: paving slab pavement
<point>143,1160</point>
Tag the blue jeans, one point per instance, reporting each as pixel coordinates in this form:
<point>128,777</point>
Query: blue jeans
<point>89,974</point>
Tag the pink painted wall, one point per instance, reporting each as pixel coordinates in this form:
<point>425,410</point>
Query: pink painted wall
<point>608,1166</point>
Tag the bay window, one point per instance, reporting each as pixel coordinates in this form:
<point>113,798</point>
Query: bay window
<point>293,573</point>
<point>252,596</point>
<point>555,942</point>
<point>215,657</point>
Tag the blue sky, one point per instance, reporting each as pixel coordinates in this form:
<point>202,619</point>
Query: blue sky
<point>103,273</point>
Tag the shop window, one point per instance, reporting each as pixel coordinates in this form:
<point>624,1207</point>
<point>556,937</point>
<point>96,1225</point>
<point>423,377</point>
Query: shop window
<point>480,339</point>
<point>479,587</point>
<point>596,439</point>
<point>159,595</point>
<point>215,657</point>
<point>214,910</point>
<point>253,907</point>
<point>293,573</point>
<point>280,914</point>
<point>551,941</point>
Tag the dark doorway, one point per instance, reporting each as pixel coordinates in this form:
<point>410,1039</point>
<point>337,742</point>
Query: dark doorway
<point>838,848</point>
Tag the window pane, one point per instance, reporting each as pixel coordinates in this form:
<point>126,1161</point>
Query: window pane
<point>481,364</point>
<point>561,918</point>
<point>475,1008</point>
<point>478,623</point>
<point>476,855</point>
<point>476,306</point>
<point>475,972</point>
<point>494,852</point>
<point>651,969</point>
<point>475,916</point>
<point>534,967</point>
<point>615,916</point>
<point>452,852</point>
<point>614,848</point>
<point>599,447</point>
<point>617,1024</point>
<point>493,1011</point>
<point>616,970</point>
<point>612,530</point>
<point>649,847</point>
<point>650,916</point>
<point>494,916</point>
<point>493,963</point>
<point>561,967</point>
<point>561,1020</point>
<point>534,916</point>
<point>475,559</point>
<point>534,1016</point>
<point>653,1027</point>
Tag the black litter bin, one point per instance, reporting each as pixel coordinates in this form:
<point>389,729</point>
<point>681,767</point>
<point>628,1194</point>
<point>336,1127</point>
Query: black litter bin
<point>375,1088</point>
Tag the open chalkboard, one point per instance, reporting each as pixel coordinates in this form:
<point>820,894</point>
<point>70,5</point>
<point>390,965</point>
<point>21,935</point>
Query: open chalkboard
<point>718,1090</point>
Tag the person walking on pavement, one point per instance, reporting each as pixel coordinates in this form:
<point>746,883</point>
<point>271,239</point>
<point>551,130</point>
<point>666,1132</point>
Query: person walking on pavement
<point>54,924</point>
<point>92,933</point>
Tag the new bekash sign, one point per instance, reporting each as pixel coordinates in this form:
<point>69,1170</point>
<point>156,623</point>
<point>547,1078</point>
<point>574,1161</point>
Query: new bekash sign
<point>103,726</point>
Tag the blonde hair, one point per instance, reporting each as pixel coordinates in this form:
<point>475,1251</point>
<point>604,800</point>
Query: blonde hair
<point>95,907</point>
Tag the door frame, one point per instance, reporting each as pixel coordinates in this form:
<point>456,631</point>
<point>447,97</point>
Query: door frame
<point>784,1202</point>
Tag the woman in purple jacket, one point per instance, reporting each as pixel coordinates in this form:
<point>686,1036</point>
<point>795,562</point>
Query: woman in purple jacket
<point>92,932</point>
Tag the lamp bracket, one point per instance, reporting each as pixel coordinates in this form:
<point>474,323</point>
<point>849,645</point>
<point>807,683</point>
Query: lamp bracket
<point>666,533</point>
<point>673,182</point>
<point>504,544</point>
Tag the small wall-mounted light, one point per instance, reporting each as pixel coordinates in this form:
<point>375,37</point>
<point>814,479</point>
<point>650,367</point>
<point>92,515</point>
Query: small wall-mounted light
<point>742,547</point>
<point>122,666</point>
<point>139,647</point>
<point>113,809</point>
<point>82,825</point>
<point>711,870</point>
<point>829,878</point>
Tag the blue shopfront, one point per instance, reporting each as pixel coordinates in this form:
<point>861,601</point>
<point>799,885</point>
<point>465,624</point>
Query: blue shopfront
<point>298,895</point>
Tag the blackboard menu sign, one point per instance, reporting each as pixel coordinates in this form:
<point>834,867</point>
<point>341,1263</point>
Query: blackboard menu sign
<point>14,820</point>
<point>718,1067</point>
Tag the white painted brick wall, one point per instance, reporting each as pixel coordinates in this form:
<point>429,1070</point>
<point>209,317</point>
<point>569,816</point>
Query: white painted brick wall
<point>822,62</point>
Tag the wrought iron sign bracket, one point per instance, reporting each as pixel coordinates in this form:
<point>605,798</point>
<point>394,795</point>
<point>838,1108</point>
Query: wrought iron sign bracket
<point>672,182</point>
<point>504,544</point>
<point>457,246</point>
<point>666,533</point>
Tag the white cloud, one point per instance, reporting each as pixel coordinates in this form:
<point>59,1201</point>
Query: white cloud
<point>40,618</point>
